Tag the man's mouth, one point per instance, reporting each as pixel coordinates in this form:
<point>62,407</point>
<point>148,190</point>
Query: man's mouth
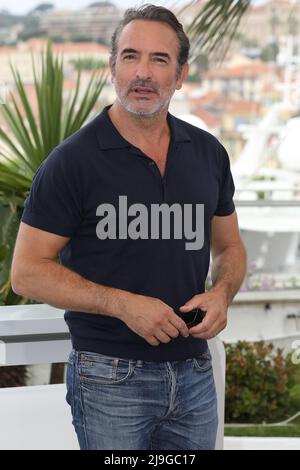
<point>142,90</point>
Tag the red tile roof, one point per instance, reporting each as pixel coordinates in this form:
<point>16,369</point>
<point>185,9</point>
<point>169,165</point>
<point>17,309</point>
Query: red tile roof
<point>254,70</point>
<point>222,103</point>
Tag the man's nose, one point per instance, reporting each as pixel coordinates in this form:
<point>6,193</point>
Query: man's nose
<point>143,70</point>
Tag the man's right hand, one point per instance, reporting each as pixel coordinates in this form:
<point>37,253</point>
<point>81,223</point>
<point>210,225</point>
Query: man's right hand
<point>152,319</point>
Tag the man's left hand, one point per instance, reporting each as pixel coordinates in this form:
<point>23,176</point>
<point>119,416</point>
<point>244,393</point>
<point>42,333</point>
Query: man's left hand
<point>214,303</point>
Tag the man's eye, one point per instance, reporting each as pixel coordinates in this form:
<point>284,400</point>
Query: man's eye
<point>129,56</point>
<point>160,59</point>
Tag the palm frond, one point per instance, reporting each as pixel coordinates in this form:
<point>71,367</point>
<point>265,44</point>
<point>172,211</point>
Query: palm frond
<point>214,26</point>
<point>27,139</point>
<point>32,137</point>
<point>88,101</point>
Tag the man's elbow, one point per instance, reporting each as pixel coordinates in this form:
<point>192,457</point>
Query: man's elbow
<point>19,280</point>
<point>16,284</point>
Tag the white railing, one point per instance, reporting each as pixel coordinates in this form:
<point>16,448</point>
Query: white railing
<point>38,417</point>
<point>269,315</point>
<point>33,334</point>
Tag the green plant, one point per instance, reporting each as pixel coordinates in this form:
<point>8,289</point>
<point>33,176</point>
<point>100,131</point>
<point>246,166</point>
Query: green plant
<point>10,216</point>
<point>260,384</point>
<point>27,139</point>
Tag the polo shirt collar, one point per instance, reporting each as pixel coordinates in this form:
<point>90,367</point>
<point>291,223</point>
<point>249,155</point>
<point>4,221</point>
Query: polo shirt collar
<point>110,138</point>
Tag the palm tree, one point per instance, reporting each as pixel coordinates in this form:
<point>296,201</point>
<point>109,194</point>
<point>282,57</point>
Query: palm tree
<point>214,25</point>
<point>26,141</point>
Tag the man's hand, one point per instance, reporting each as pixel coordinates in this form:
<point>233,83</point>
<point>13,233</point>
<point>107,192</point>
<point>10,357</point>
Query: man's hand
<point>152,319</point>
<point>214,303</point>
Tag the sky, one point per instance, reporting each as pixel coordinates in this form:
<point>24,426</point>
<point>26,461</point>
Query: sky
<point>21,7</point>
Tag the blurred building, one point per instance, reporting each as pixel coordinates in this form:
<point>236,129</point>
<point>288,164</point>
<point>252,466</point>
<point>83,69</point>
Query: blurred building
<point>21,56</point>
<point>271,21</point>
<point>241,78</point>
<point>97,22</point>
<point>10,34</point>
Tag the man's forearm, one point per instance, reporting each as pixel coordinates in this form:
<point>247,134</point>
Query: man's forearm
<point>228,271</point>
<point>56,285</point>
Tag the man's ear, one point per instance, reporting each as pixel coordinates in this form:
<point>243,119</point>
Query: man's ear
<point>183,74</point>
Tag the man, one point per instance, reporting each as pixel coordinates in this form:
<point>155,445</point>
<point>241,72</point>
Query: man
<point>131,203</point>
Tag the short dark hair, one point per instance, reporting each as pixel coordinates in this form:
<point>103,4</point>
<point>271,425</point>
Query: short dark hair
<point>153,13</point>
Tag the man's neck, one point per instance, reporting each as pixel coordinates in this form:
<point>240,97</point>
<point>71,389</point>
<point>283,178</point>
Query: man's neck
<point>139,130</point>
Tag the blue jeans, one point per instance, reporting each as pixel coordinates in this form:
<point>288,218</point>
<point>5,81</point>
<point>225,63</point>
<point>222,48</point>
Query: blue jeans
<point>120,404</point>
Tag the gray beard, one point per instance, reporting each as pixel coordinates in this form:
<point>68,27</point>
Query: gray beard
<point>141,112</point>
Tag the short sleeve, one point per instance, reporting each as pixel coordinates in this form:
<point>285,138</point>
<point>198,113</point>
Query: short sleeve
<point>225,202</point>
<point>54,203</point>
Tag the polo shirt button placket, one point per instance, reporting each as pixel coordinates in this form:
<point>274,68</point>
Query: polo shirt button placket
<point>163,181</point>
<point>164,186</point>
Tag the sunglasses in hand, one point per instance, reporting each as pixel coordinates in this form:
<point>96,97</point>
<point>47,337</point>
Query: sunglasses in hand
<point>192,318</point>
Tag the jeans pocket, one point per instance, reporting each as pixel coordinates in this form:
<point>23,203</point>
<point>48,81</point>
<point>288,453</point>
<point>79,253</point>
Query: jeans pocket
<point>97,369</point>
<point>70,385</point>
<point>203,362</point>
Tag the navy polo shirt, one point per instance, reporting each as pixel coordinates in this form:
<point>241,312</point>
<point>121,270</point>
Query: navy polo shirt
<point>94,167</point>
